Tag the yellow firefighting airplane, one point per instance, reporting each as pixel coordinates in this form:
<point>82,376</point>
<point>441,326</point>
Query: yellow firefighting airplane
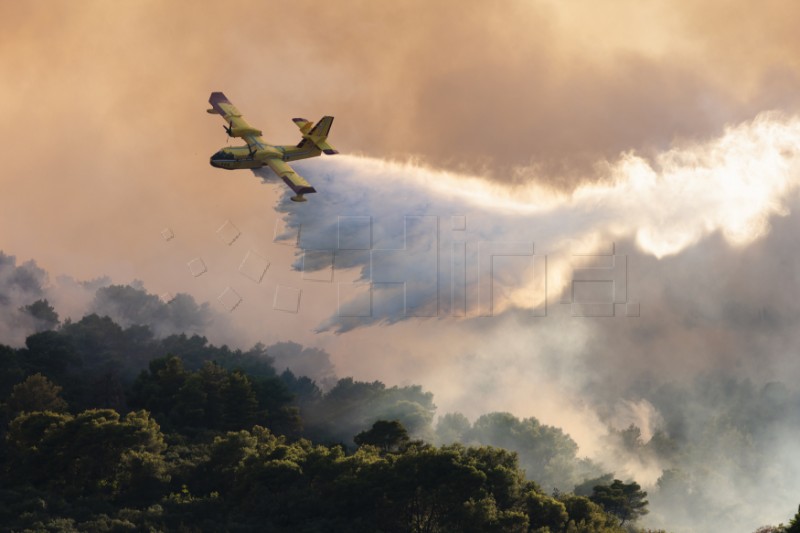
<point>258,153</point>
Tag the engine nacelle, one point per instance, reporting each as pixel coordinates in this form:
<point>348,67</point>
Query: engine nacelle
<point>241,131</point>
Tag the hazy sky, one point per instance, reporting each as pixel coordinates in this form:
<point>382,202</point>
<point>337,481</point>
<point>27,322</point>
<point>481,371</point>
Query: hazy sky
<point>569,125</point>
<point>102,101</point>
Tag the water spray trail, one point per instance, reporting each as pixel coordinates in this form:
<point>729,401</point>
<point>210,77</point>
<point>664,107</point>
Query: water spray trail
<point>732,185</point>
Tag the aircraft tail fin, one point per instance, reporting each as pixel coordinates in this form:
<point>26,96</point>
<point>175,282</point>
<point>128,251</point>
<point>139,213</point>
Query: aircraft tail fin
<point>316,134</point>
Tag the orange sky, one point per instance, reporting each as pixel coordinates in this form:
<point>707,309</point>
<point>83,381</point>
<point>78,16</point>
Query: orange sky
<point>107,141</point>
<point>104,131</point>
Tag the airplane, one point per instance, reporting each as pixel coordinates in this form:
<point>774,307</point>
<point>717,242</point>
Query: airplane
<point>258,153</point>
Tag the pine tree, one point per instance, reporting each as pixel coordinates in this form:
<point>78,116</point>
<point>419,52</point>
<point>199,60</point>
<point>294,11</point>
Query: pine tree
<point>794,524</point>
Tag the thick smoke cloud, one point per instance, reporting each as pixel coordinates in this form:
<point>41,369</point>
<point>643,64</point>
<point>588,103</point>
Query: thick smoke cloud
<point>131,305</point>
<point>19,286</point>
<point>311,362</point>
<point>707,232</point>
<point>537,91</point>
<point>402,224</point>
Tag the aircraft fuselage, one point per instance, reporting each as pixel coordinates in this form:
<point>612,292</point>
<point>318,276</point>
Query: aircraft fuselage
<point>237,157</point>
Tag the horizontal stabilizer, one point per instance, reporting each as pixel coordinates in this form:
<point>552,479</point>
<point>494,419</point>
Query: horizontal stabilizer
<point>327,148</point>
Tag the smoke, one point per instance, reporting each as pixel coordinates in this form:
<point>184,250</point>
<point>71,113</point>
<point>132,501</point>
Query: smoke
<point>131,305</point>
<point>706,229</point>
<point>535,92</point>
<point>311,362</point>
<point>394,221</point>
<point>518,105</point>
<point>19,286</point>
<point>712,288</point>
<point>706,232</point>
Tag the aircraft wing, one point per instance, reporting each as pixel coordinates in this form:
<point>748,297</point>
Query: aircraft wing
<point>237,125</point>
<point>292,178</point>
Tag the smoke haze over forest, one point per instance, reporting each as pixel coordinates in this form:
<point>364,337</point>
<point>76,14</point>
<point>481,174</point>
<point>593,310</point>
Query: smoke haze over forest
<point>657,143</point>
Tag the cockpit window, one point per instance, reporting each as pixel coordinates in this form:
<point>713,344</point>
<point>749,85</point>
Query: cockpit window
<point>223,155</point>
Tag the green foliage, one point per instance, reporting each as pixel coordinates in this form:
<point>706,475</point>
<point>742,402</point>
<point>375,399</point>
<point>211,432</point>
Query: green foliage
<point>36,393</point>
<point>100,471</point>
<point>587,487</point>
<point>51,354</point>
<point>624,500</point>
<point>545,512</point>
<point>210,398</point>
<point>389,436</point>
<point>547,454</point>
<point>231,456</point>
<point>452,427</point>
<point>93,452</point>
<point>12,370</point>
<point>794,523</point>
<point>585,516</point>
<point>352,406</point>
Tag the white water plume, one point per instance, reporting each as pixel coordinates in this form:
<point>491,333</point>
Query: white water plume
<point>732,184</point>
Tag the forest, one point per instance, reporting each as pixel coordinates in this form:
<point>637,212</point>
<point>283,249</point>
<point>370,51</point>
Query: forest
<point>117,422</point>
<point>107,428</point>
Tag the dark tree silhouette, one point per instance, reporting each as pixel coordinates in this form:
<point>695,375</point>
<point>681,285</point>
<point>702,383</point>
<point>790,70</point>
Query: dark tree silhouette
<point>43,313</point>
<point>794,523</point>
<point>389,436</point>
<point>624,500</point>
<point>36,393</point>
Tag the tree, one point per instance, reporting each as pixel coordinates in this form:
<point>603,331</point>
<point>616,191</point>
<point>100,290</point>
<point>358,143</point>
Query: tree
<point>311,362</point>
<point>128,305</point>
<point>240,404</point>
<point>95,452</point>
<point>36,393</point>
<point>52,354</point>
<point>547,454</point>
<point>387,435</point>
<point>794,523</point>
<point>545,511</point>
<point>12,369</point>
<point>624,500</point>
<point>446,489</point>
<point>631,438</point>
<point>157,389</point>
<point>587,516</point>
<point>213,379</point>
<point>587,487</point>
<point>43,314</point>
<point>452,427</point>
<point>350,406</point>
<point>190,405</point>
